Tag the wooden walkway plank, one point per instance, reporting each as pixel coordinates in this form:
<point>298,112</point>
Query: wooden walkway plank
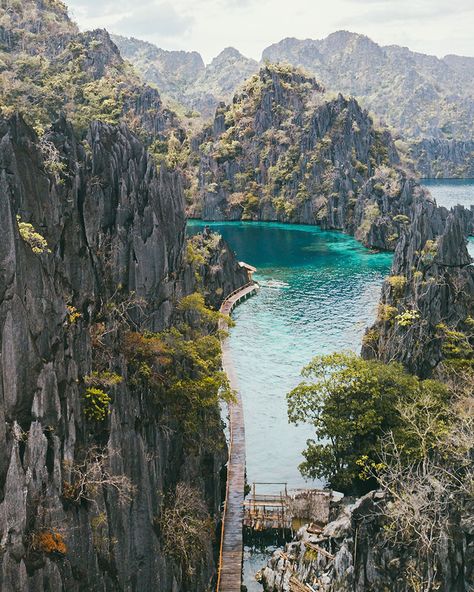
<point>229,577</point>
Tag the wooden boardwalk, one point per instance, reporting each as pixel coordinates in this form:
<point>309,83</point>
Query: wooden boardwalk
<point>229,577</point>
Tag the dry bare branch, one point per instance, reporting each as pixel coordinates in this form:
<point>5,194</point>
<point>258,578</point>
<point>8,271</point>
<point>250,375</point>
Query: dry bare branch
<point>94,473</point>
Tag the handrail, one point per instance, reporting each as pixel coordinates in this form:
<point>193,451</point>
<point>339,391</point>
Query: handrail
<point>265,498</point>
<point>219,567</point>
<point>241,289</point>
<point>231,430</point>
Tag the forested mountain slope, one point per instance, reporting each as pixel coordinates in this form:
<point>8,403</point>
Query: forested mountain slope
<point>429,101</point>
<point>285,150</point>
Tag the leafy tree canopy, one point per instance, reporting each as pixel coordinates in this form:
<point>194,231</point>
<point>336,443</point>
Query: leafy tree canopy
<point>352,403</point>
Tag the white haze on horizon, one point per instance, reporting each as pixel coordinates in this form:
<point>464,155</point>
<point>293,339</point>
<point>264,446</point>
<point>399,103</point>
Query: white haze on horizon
<point>434,27</point>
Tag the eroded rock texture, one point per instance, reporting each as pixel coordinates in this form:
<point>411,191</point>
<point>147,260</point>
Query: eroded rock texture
<point>284,151</point>
<point>114,227</point>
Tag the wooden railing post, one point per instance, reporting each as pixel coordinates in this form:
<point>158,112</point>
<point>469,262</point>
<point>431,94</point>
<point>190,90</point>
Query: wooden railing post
<point>229,575</point>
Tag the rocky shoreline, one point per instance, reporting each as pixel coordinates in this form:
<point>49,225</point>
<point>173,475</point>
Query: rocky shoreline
<point>351,555</point>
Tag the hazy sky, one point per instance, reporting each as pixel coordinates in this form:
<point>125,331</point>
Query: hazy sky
<point>431,26</point>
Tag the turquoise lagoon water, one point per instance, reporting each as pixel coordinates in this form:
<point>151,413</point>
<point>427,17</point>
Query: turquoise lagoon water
<point>319,290</point>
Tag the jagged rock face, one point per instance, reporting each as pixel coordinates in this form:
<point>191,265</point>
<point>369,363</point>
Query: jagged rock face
<point>403,88</point>
<point>443,158</point>
<point>357,558</point>
<point>431,286</point>
<point>282,151</point>
<point>99,56</point>
<point>114,228</point>
<point>466,218</point>
<point>101,59</point>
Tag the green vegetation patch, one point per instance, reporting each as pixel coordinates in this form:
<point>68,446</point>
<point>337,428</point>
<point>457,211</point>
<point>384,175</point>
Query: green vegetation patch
<point>352,403</point>
<point>32,238</point>
<point>180,368</point>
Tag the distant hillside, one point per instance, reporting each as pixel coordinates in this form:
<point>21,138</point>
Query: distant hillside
<point>172,71</point>
<point>183,77</point>
<point>429,102</point>
<point>418,94</point>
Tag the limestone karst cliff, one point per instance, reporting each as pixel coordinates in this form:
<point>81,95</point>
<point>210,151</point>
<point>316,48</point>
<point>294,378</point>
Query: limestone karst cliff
<point>419,95</point>
<point>284,150</point>
<point>50,68</point>
<point>105,255</point>
<point>105,425</point>
<point>427,305</point>
<point>443,159</point>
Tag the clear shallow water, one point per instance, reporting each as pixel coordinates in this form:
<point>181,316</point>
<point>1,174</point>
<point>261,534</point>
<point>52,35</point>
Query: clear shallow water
<point>319,290</point>
<point>451,192</point>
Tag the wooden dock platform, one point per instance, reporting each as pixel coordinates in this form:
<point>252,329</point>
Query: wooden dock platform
<point>260,511</point>
<point>229,578</point>
<point>286,509</point>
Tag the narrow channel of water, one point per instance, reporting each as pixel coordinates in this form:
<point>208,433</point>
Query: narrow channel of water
<point>320,290</point>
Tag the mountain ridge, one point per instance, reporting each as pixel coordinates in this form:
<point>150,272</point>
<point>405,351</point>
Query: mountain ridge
<point>188,81</point>
<point>427,101</point>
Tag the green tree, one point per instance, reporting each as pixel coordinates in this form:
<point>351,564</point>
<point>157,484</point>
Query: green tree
<point>181,368</point>
<point>352,403</point>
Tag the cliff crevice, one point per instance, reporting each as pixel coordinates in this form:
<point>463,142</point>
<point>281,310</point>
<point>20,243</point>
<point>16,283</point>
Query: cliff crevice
<point>85,248</point>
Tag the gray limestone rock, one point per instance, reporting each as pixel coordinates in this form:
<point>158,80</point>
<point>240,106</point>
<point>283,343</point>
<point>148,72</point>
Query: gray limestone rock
<point>114,224</point>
